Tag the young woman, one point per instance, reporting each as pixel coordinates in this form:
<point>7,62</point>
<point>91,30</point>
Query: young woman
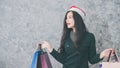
<point>77,44</point>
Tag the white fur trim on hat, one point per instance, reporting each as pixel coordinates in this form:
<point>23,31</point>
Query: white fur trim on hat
<point>79,11</point>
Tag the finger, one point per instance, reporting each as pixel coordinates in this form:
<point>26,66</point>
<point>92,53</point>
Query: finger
<point>42,46</point>
<point>111,49</point>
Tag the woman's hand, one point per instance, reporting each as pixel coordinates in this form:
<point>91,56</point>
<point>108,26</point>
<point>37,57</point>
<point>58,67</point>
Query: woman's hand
<point>46,45</point>
<point>106,52</point>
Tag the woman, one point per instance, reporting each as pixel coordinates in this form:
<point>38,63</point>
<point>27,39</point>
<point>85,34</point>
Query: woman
<point>77,44</point>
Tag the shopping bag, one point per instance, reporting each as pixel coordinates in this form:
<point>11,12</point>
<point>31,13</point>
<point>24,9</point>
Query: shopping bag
<point>45,61</point>
<point>109,64</point>
<point>41,59</point>
<point>35,59</point>
<point>39,65</point>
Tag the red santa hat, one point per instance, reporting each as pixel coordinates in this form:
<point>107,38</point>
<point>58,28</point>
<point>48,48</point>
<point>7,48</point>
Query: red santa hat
<point>79,11</point>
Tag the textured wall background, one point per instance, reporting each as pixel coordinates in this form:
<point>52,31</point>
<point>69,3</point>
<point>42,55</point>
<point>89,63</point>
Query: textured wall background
<point>23,23</point>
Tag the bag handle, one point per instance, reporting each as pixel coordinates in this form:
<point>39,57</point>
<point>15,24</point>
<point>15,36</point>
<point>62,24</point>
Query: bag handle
<point>42,50</point>
<point>39,46</point>
<point>115,55</point>
<point>109,56</point>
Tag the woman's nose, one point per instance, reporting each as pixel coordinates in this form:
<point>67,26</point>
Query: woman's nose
<point>67,20</point>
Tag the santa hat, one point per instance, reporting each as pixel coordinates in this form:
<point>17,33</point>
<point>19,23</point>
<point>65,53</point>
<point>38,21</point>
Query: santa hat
<point>79,11</point>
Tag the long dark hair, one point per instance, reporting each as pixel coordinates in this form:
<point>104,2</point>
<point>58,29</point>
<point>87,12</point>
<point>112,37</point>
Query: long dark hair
<point>79,27</point>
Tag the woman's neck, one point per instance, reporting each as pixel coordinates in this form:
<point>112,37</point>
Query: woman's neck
<point>73,29</point>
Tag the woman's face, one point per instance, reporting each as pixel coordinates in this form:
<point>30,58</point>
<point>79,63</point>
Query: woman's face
<point>70,20</point>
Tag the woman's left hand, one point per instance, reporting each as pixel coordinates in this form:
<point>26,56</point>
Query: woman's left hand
<point>46,45</point>
<point>106,52</point>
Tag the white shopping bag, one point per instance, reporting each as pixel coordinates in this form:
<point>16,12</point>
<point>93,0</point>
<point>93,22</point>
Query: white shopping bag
<point>109,64</point>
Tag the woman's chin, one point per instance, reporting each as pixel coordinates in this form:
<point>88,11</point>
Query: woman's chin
<point>68,27</point>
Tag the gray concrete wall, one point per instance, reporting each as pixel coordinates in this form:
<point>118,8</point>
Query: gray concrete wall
<point>23,23</point>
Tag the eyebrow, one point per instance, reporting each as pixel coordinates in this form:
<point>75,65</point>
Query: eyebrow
<point>70,15</point>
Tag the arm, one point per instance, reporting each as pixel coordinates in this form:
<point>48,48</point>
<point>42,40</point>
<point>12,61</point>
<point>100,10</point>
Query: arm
<point>93,56</point>
<point>58,56</point>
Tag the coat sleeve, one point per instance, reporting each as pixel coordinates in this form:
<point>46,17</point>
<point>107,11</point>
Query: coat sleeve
<point>93,57</point>
<point>60,57</point>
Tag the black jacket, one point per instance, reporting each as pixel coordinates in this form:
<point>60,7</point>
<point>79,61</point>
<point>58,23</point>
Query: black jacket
<point>78,58</point>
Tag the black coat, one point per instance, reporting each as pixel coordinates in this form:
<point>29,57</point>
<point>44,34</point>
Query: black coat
<point>78,58</point>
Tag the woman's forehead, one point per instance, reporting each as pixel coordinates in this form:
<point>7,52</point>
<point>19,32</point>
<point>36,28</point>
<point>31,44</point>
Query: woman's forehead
<point>70,14</point>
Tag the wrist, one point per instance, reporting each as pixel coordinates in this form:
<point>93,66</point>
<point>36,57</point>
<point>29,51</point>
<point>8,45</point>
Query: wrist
<point>50,50</point>
<point>101,55</point>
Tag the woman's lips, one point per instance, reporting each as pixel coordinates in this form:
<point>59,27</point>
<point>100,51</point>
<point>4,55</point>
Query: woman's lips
<point>68,23</point>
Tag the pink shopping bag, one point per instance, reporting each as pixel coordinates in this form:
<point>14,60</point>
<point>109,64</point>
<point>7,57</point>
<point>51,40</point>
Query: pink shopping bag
<point>45,61</point>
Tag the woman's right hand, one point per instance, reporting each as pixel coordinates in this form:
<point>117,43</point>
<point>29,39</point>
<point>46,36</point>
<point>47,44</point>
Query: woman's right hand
<point>106,52</point>
<point>46,45</point>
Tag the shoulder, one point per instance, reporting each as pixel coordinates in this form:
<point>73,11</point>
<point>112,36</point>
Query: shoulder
<point>89,35</point>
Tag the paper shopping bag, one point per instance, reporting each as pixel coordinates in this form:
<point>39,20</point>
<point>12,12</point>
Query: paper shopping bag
<point>109,64</point>
<point>35,59</point>
<point>45,61</point>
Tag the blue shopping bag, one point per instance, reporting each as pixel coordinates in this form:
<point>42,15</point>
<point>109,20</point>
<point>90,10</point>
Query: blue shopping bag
<point>35,59</point>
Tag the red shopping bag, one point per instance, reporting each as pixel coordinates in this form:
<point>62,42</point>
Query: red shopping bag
<point>109,64</point>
